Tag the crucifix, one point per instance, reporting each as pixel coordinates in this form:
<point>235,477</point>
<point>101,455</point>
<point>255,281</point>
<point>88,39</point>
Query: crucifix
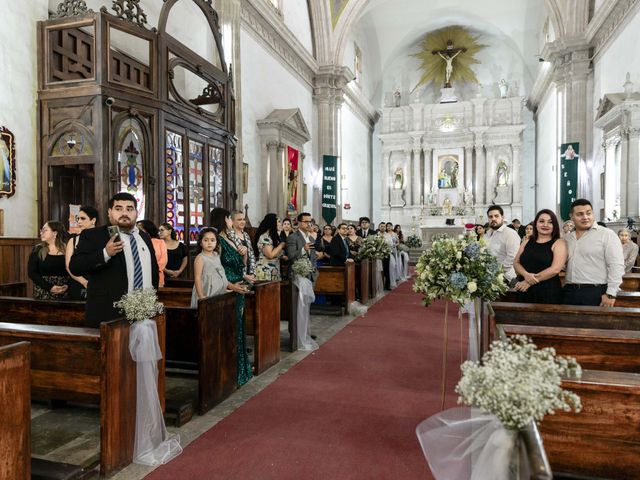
<point>448,54</point>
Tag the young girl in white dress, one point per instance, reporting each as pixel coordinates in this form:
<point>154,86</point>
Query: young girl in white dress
<point>209,276</point>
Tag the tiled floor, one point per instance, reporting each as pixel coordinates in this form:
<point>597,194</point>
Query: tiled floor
<point>71,434</point>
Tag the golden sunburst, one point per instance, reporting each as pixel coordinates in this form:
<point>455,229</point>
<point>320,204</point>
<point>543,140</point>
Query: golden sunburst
<point>451,45</point>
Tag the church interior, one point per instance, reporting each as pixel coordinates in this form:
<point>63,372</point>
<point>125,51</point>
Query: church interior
<point>422,114</point>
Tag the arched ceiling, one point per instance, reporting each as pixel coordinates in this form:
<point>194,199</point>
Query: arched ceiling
<point>393,28</point>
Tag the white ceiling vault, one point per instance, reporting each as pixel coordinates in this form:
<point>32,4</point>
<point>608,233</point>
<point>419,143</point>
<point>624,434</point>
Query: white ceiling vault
<point>389,31</point>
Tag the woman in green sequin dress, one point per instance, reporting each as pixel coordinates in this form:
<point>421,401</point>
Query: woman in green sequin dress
<point>233,263</point>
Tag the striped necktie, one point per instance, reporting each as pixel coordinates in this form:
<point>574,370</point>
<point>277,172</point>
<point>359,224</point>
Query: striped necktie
<point>137,265</point>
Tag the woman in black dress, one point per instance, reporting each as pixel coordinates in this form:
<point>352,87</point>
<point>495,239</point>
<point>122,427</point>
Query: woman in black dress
<point>540,260</point>
<point>47,269</point>
<point>176,251</point>
<point>87,218</point>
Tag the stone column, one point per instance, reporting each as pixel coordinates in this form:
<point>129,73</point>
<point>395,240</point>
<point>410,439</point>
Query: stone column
<point>428,173</point>
<point>282,184</point>
<point>386,156</point>
<point>624,178</point>
<point>273,175</point>
<point>408,183</point>
<point>479,187</point>
<point>417,177</point>
<point>489,174</point>
<point>610,176</point>
<point>633,175</point>
<point>468,167</point>
<point>515,175</point>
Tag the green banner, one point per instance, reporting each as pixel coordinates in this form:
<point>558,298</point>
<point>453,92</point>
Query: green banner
<point>329,187</point>
<point>569,157</point>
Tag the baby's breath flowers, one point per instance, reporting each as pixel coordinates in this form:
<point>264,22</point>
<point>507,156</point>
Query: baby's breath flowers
<point>519,383</point>
<point>302,267</point>
<point>139,305</point>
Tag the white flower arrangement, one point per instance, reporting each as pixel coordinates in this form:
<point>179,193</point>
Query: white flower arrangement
<point>414,241</point>
<point>459,269</point>
<point>139,305</point>
<point>374,246</point>
<point>519,383</point>
<point>302,267</point>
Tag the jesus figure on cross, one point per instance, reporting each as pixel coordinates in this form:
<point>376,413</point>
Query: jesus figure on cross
<point>448,54</point>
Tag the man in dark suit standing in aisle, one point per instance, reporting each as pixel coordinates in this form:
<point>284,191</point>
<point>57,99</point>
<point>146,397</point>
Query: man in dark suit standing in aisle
<point>338,248</point>
<point>113,262</point>
<point>301,243</point>
<point>364,231</point>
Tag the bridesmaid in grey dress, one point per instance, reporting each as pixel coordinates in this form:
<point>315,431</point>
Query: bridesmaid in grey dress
<point>209,276</point>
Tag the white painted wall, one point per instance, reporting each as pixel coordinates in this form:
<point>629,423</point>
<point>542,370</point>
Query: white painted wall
<point>268,85</point>
<point>546,152</point>
<point>18,108</point>
<point>610,68</point>
<point>528,168</point>
<point>355,166</point>
<point>296,18</point>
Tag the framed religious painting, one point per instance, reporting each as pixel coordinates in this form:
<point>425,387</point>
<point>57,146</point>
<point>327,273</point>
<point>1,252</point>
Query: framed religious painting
<point>7,163</point>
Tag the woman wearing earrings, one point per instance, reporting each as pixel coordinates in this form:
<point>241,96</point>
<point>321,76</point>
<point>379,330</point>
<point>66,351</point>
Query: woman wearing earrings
<point>47,263</point>
<point>87,218</point>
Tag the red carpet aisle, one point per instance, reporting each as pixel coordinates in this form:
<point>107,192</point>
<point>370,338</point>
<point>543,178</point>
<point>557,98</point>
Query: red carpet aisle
<point>348,411</point>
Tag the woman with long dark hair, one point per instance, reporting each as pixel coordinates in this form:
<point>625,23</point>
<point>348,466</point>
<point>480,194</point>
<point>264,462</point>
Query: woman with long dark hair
<point>177,254</point>
<point>46,267</point>
<point>269,248</point>
<point>87,218</point>
<point>539,261</point>
<point>233,261</point>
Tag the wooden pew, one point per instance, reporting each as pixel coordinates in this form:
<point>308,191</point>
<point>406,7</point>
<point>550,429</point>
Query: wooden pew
<point>338,281</point>
<point>262,320</point>
<point>630,282</point>
<point>203,339</point>
<point>42,312</point>
<point>373,282</point>
<point>15,411</point>
<point>603,440</point>
<point>14,289</point>
<point>628,299</point>
<point>363,278</point>
<point>89,365</point>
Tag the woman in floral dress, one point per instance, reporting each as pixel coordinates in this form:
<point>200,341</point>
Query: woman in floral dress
<point>269,249</point>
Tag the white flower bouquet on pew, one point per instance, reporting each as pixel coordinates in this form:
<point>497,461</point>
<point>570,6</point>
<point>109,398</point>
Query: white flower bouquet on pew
<point>302,267</point>
<point>153,444</point>
<point>374,246</point>
<point>139,305</point>
<point>509,390</point>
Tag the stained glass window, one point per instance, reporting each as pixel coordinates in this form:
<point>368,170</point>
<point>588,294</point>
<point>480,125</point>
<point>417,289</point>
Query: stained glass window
<point>196,189</point>
<point>216,195</point>
<point>131,153</point>
<point>174,191</point>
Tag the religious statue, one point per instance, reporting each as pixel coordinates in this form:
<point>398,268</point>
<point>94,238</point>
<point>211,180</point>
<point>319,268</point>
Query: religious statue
<point>467,197</point>
<point>431,198</point>
<point>447,207</point>
<point>397,96</point>
<point>448,175</point>
<point>502,174</point>
<point>448,54</point>
<point>398,179</point>
<point>503,88</point>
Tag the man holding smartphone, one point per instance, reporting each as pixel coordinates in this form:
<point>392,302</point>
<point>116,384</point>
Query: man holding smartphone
<point>115,259</point>
<point>301,244</point>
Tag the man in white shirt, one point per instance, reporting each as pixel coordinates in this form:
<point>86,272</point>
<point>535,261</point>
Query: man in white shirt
<point>503,242</point>
<point>596,262</point>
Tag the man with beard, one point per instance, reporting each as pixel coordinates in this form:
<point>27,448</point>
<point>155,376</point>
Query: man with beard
<point>503,242</point>
<point>596,262</point>
<point>115,261</point>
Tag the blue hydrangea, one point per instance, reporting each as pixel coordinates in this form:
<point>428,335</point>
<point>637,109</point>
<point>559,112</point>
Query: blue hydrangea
<point>493,267</point>
<point>487,279</point>
<point>472,250</point>
<point>458,280</point>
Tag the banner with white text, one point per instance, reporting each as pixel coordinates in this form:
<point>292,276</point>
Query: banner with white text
<point>569,157</point>
<point>329,187</point>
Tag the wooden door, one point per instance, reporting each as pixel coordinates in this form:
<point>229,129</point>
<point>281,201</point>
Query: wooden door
<point>70,185</point>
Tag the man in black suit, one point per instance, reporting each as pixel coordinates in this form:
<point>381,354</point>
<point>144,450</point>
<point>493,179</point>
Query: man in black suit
<point>301,244</point>
<point>114,264</point>
<point>338,248</point>
<point>518,227</point>
<point>364,231</point>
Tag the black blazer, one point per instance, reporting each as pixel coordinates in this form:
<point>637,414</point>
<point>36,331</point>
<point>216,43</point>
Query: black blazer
<point>339,253</point>
<point>359,232</point>
<point>107,280</point>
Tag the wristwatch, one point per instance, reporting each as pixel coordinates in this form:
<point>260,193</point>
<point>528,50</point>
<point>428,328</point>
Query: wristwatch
<point>611,297</point>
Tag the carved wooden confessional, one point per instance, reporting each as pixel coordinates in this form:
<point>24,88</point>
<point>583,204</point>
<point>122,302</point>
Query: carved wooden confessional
<point>127,108</point>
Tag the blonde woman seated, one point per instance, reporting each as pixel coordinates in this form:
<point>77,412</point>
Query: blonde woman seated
<point>540,260</point>
<point>629,249</point>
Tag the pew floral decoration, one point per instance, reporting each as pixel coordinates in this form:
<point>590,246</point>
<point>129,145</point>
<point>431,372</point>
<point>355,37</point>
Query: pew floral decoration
<point>414,241</point>
<point>374,246</point>
<point>302,267</point>
<point>509,390</point>
<point>139,305</point>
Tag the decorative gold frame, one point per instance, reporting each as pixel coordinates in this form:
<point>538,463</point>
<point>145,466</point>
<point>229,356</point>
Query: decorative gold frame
<point>7,163</point>
<point>245,177</point>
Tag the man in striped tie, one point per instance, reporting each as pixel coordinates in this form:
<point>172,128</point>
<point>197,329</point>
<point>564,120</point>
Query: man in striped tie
<point>114,263</point>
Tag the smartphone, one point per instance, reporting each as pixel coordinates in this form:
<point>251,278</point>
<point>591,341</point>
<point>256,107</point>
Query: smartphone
<point>114,230</point>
